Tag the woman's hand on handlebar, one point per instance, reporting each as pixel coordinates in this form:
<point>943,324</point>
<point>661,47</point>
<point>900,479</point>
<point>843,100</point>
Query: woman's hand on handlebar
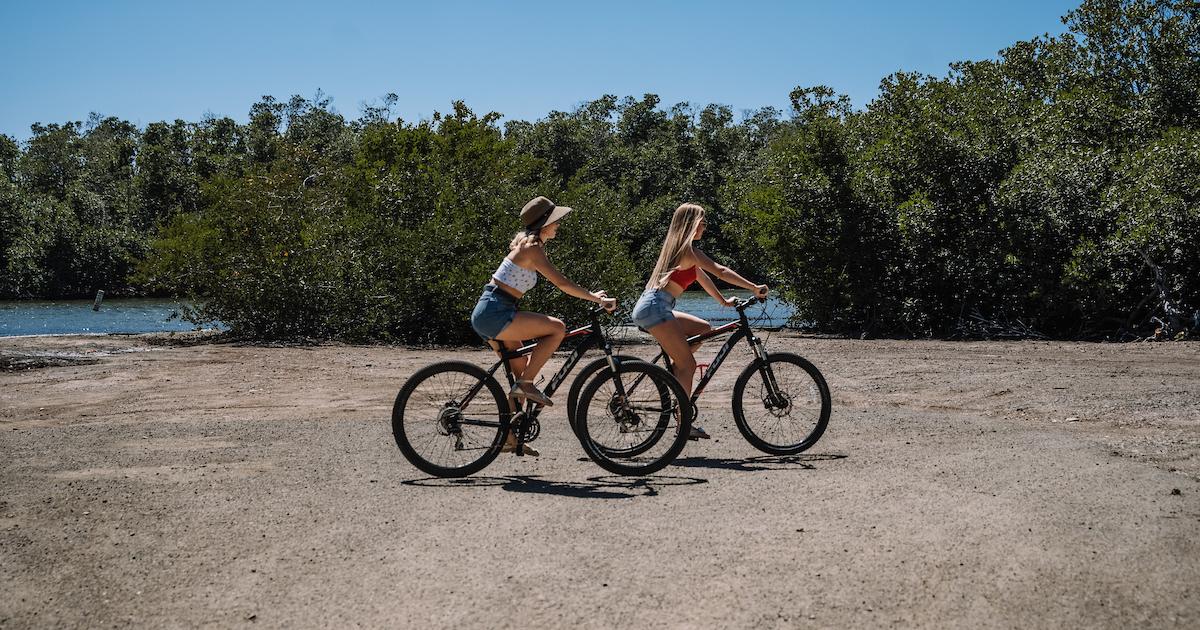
<point>760,291</point>
<point>729,301</point>
<point>606,303</point>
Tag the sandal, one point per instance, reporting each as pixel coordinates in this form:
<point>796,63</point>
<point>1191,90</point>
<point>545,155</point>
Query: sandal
<point>510,446</point>
<point>532,393</point>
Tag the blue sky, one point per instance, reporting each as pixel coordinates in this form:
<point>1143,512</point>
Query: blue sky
<point>149,61</point>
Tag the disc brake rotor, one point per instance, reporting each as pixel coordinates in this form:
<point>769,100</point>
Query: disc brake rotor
<point>780,407</point>
<point>627,419</point>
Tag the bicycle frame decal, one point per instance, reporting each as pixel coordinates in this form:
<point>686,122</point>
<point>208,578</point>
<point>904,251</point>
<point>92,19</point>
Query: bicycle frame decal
<point>715,364</point>
<point>565,370</point>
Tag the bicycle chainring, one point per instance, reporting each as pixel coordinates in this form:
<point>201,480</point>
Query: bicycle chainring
<point>533,428</point>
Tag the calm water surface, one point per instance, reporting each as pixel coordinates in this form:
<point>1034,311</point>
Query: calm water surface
<point>74,317</point>
<point>772,314</point>
<point>142,315</point>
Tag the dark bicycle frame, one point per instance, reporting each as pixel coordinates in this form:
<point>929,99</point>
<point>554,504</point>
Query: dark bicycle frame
<point>594,336</point>
<point>741,329</point>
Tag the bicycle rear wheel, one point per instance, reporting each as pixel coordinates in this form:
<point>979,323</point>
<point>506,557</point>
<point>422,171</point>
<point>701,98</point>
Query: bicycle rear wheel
<point>634,421</point>
<point>782,405</point>
<point>450,419</point>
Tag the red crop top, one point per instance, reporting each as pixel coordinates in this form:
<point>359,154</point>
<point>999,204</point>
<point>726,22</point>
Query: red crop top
<point>684,277</point>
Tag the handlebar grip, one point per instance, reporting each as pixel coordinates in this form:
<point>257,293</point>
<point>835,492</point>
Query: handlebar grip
<point>743,304</point>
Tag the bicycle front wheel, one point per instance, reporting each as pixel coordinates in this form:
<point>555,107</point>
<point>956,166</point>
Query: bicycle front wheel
<point>633,421</point>
<point>581,379</point>
<point>450,419</point>
<point>781,405</point>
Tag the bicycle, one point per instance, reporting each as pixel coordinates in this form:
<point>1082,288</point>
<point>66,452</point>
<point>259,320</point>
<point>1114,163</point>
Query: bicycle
<point>431,423</point>
<point>783,384</point>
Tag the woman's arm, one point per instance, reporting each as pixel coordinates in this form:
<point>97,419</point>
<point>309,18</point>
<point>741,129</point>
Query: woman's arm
<point>706,283</point>
<point>727,274</point>
<point>537,256</point>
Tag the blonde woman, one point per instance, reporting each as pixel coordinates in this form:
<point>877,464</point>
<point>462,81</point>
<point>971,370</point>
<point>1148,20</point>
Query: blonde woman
<point>679,265</point>
<point>496,317</point>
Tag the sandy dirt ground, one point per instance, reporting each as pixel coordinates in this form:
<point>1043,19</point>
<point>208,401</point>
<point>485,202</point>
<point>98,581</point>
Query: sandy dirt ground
<point>1007,485</point>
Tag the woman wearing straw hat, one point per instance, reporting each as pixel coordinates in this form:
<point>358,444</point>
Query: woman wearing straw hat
<point>679,265</point>
<point>496,317</point>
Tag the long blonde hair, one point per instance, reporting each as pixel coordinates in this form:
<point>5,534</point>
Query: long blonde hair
<point>679,238</point>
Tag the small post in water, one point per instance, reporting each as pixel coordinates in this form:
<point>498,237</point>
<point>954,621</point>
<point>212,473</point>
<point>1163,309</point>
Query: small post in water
<point>99,299</point>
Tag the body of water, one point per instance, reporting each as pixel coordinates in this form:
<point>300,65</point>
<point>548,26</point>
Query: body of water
<point>772,314</point>
<point>142,315</point>
<point>75,317</point>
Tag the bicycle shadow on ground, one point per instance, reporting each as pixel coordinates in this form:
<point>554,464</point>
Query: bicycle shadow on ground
<point>607,487</point>
<point>763,462</point>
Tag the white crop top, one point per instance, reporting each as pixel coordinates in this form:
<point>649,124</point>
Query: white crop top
<point>515,276</point>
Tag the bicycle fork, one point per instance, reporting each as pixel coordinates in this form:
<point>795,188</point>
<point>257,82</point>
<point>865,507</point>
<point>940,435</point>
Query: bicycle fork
<point>774,397</point>
<point>612,368</point>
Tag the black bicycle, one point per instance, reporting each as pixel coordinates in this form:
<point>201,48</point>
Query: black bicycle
<point>451,419</point>
<point>781,402</point>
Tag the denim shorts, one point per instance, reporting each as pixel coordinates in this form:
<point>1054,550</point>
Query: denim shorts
<point>494,310</point>
<point>653,308</point>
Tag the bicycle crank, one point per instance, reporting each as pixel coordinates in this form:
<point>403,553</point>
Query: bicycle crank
<point>533,427</point>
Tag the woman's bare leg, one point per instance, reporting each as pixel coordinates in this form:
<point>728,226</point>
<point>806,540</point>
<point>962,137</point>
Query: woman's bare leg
<point>517,366</point>
<point>670,335</point>
<point>548,331</point>
<point>692,326</point>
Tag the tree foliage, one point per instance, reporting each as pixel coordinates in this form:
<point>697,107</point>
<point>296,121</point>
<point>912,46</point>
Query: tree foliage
<point>1056,185</point>
<point>1044,186</point>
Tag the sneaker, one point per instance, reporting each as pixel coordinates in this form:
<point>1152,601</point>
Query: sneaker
<point>698,433</point>
<point>526,389</point>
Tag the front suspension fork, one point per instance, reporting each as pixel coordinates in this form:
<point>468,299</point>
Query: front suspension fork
<point>774,397</point>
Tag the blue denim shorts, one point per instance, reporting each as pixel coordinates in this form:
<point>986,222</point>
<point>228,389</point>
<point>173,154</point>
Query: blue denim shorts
<point>653,308</point>
<point>494,310</point>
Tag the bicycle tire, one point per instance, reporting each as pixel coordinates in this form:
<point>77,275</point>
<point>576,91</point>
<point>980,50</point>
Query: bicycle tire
<point>494,416</point>
<point>810,389</point>
<point>677,408</point>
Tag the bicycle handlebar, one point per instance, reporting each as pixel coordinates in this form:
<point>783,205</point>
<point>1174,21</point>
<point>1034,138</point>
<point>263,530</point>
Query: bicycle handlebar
<point>744,304</point>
